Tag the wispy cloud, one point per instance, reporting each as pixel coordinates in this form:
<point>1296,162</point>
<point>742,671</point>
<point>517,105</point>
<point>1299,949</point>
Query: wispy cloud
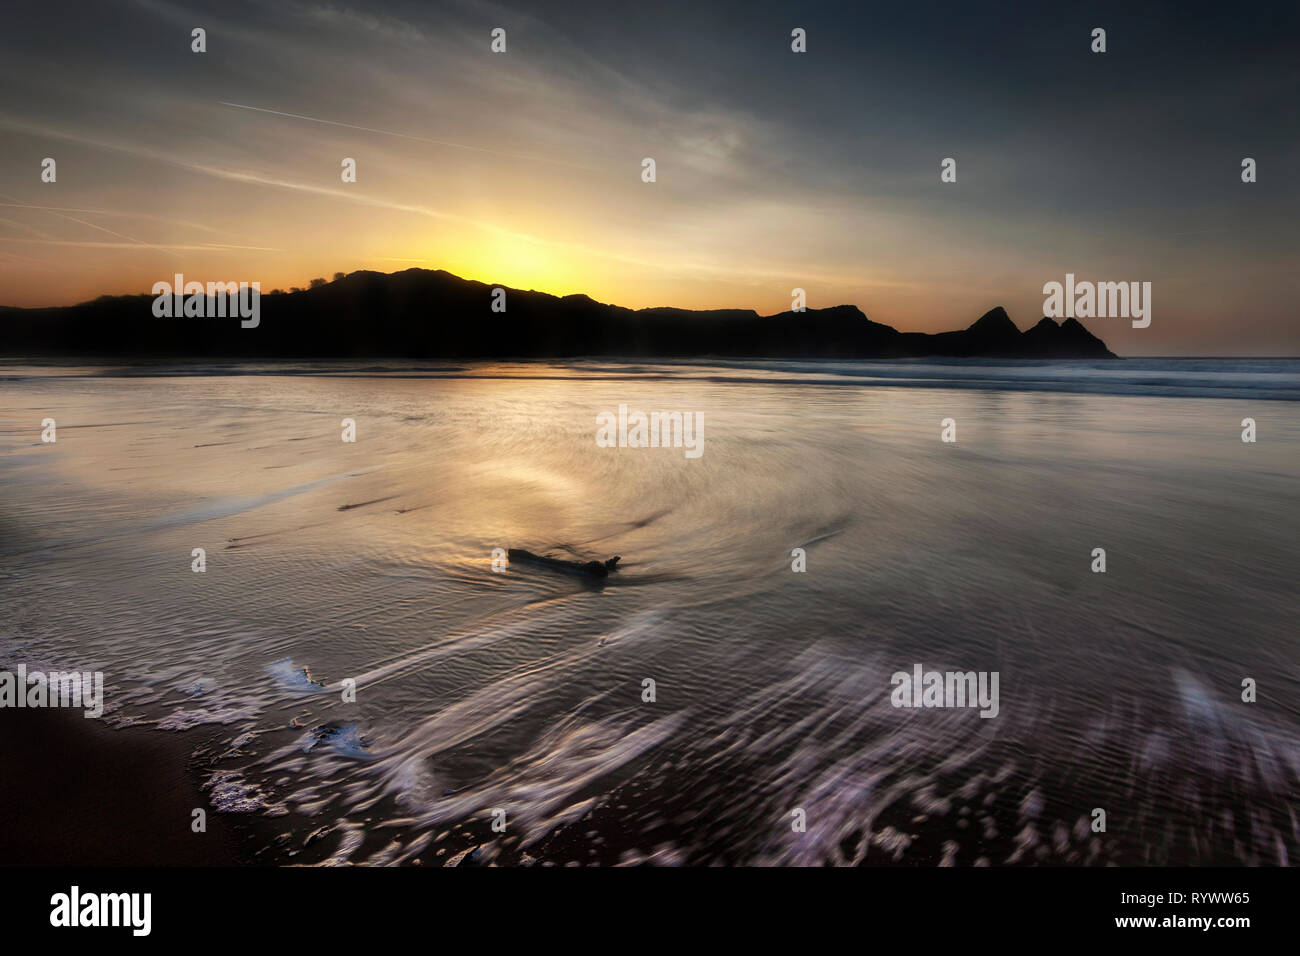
<point>418,139</point>
<point>142,247</point>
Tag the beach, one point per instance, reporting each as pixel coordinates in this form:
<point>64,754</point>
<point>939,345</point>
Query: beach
<point>355,677</point>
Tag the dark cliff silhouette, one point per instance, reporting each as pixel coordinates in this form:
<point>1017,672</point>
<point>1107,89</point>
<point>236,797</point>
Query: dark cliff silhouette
<point>425,314</point>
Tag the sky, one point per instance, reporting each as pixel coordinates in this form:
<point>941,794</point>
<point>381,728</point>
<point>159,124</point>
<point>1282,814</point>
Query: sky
<point>775,170</point>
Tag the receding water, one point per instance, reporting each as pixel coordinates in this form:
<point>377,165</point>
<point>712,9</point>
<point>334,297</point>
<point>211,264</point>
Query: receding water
<point>522,691</point>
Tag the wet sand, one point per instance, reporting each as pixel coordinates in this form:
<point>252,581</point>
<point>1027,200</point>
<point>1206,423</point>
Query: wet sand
<point>76,792</point>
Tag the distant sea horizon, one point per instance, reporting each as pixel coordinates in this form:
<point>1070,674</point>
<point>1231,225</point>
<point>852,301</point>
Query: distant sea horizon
<point>1266,378</point>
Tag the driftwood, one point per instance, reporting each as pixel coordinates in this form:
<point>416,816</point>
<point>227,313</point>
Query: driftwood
<point>597,569</point>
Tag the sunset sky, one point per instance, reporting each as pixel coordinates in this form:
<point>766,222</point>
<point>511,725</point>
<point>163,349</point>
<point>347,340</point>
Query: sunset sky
<point>775,169</point>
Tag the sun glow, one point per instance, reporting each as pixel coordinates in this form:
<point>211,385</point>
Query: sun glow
<point>517,263</point>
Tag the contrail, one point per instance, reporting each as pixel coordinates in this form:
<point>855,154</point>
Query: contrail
<point>137,244</point>
<point>92,225</point>
<point>108,212</point>
<point>418,139</point>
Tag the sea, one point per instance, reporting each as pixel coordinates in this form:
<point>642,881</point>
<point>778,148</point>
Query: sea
<point>361,677</point>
